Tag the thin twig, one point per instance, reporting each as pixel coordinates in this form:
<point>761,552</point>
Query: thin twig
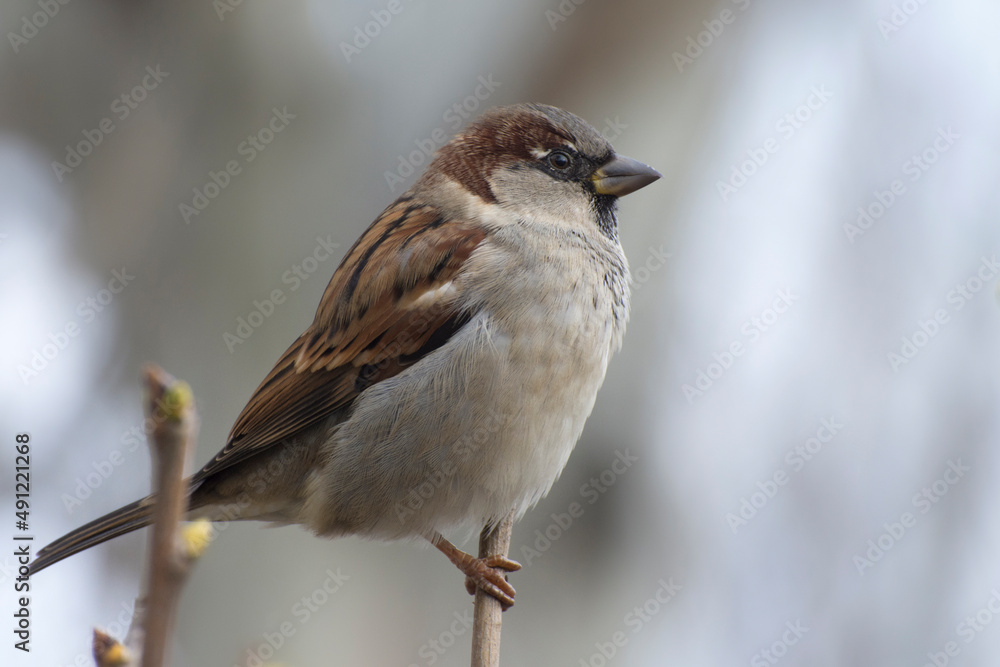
<point>172,442</point>
<point>173,550</point>
<point>487,620</point>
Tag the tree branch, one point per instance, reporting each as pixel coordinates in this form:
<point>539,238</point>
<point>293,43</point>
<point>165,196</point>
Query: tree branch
<point>486,623</point>
<point>172,442</point>
<point>170,405</point>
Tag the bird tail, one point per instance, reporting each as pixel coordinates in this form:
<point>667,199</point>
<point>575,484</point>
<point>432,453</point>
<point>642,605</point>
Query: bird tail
<point>122,520</point>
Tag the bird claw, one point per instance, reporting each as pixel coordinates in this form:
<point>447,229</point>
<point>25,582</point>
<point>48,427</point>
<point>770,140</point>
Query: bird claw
<point>486,574</point>
<point>489,575</point>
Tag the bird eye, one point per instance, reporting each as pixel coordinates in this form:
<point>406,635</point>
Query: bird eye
<point>559,160</point>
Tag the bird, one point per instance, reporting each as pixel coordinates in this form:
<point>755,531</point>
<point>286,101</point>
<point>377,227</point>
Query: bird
<point>453,360</point>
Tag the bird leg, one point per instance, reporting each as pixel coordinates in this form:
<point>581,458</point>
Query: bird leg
<point>486,573</point>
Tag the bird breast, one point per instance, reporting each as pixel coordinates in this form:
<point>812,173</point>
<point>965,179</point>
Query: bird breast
<point>485,423</point>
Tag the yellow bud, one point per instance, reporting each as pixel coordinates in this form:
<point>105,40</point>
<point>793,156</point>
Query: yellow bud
<point>196,537</point>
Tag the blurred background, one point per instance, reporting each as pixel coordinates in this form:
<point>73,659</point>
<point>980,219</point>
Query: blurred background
<point>808,391</point>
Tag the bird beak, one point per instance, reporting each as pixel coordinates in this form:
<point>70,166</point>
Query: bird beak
<point>623,175</point>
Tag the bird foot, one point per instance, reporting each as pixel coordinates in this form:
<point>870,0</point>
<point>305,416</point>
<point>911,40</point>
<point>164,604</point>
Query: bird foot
<point>487,574</point>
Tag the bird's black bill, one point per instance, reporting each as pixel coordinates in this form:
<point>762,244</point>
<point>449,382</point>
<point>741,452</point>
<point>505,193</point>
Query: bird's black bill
<point>623,175</point>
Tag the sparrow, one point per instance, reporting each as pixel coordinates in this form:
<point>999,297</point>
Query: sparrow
<point>453,360</point>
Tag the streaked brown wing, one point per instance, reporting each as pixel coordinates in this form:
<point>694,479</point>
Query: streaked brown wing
<point>389,303</point>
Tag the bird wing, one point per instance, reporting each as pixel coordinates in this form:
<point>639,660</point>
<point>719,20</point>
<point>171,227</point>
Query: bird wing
<point>391,301</point>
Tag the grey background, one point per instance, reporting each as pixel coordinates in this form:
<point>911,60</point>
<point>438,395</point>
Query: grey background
<point>794,562</point>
